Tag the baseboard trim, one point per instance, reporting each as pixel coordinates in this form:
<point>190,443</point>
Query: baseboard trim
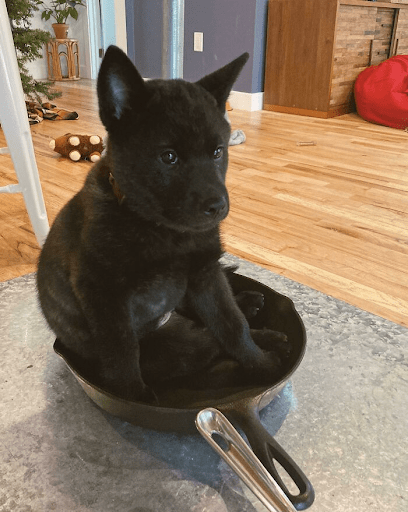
<point>333,112</point>
<point>246,100</point>
<point>84,71</point>
<point>243,100</point>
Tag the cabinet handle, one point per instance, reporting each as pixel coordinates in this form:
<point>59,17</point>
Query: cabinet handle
<point>396,47</point>
<point>370,58</point>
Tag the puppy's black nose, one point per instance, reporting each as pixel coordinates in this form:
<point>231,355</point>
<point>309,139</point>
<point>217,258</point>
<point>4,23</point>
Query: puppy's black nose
<point>215,206</point>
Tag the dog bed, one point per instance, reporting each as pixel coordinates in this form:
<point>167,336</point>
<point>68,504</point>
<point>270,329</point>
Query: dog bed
<point>381,93</point>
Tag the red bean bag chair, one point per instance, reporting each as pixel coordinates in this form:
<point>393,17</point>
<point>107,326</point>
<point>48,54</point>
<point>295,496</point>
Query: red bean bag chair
<point>381,92</point>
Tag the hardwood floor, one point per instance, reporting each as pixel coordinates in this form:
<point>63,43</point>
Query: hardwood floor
<point>332,216</point>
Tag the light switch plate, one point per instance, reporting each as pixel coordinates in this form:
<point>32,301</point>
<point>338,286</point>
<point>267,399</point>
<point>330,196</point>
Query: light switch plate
<point>198,41</point>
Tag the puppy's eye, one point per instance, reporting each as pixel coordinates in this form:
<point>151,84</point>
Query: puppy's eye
<point>218,152</point>
<point>169,157</point>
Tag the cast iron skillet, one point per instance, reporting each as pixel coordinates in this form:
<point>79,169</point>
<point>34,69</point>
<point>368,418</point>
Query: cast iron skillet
<point>178,411</point>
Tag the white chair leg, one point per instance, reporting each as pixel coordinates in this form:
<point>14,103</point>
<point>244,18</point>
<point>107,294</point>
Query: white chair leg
<point>14,122</point>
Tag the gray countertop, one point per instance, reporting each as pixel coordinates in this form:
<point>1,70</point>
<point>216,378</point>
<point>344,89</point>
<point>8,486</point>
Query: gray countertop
<point>343,417</point>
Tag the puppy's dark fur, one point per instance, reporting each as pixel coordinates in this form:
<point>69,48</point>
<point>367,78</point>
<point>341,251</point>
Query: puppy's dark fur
<point>141,239</point>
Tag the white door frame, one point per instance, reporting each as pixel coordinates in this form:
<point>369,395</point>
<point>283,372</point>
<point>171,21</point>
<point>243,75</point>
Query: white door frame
<point>111,16</point>
<point>94,28</point>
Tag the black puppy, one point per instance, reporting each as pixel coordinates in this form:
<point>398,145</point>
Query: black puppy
<point>142,236</point>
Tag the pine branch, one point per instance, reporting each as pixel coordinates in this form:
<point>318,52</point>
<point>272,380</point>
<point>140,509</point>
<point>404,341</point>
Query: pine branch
<point>28,43</point>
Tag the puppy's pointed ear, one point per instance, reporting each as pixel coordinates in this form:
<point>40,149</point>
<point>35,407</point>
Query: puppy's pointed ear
<point>121,89</point>
<point>220,82</point>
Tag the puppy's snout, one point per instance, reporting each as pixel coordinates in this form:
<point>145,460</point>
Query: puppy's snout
<point>216,206</point>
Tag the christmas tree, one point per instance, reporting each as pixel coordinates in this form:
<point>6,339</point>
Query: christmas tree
<point>29,43</point>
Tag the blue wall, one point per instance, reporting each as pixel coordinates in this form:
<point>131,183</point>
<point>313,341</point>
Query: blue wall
<point>230,28</point>
<point>144,25</point>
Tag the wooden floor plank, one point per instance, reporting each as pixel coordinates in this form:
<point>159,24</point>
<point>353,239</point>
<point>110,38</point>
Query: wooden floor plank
<point>333,216</point>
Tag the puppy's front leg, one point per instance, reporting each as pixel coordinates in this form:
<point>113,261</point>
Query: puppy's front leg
<point>210,296</point>
<point>113,341</point>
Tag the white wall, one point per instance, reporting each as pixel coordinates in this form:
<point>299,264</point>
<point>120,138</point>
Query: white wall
<point>78,29</point>
<point>120,24</point>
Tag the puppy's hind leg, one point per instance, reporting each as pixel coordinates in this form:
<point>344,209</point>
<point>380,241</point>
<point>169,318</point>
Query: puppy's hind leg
<point>177,349</point>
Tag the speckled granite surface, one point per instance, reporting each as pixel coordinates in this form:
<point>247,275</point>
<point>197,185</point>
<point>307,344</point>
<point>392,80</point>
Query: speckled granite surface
<point>343,418</point>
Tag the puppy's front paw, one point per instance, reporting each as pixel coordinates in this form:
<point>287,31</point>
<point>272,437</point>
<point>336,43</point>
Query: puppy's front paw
<point>250,302</point>
<point>276,350</point>
<point>268,340</point>
<point>268,369</point>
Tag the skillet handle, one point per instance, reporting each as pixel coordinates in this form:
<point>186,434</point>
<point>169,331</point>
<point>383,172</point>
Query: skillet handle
<point>268,450</point>
<point>239,456</point>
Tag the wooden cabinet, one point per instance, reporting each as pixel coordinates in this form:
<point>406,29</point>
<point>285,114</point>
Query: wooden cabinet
<point>317,48</point>
<point>401,32</point>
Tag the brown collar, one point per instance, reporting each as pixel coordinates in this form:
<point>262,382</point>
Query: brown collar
<point>116,190</point>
